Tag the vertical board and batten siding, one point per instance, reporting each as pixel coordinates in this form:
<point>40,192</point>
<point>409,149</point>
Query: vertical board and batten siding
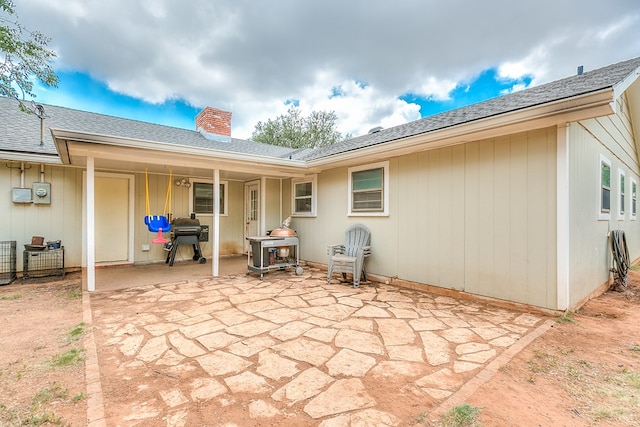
<point>273,204</point>
<point>590,253</point>
<point>478,217</point>
<point>510,218</point>
<point>315,233</point>
<point>231,225</point>
<point>56,221</point>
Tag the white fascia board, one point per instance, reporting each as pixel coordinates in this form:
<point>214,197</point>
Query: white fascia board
<point>620,87</point>
<point>62,135</point>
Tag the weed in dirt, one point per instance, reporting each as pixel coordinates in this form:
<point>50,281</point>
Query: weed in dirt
<point>464,415</point>
<point>11,297</point>
<point>600,414</point>
<point>564,351</point>
<point>631,379</point>
<point>542,363</point>
<point>36,413</point>
<point>634,347</point>
<point>78,397</point>
<point>583,363</point>
<point>42,398</point>
<point>574,374</point>
<point>42,419</point>
<point>47,394</point>
<point>67,358</point>
<point>76,333</point>
<point>75,294</point>
<point>20,372</point>
<point>421,418</point>
<point>612,387</point>
<point>566,318</point>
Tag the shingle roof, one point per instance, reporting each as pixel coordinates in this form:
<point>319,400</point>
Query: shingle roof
<point>588,82</point>
<point>20,132</point>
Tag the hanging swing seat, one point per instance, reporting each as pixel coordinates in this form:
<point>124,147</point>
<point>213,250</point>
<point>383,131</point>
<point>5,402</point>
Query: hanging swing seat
<point>158,223</point>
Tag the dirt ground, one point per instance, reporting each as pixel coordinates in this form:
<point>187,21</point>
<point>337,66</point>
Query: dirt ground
<point>42,378</point>
<point>584,371</point>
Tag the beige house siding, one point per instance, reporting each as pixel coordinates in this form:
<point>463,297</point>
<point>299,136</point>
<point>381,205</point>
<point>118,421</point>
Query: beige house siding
<point>590,254</point>
<point>232,225</point>
<point>272,204</point>
<point>478,217</point>
<point>59,220</point>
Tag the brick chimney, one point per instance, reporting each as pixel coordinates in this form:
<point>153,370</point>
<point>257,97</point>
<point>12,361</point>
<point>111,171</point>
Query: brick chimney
<point>214,121</point>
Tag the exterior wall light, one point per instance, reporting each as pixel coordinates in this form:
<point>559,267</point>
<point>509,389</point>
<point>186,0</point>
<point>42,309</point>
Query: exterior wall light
<point>183,182</point>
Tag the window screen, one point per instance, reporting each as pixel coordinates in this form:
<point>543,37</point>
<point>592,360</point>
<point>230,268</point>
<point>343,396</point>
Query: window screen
<point>367,189</point>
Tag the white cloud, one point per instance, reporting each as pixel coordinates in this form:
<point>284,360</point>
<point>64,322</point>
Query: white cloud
<point>435,89</point>
<point>251,57</point>
<point>534,64</point>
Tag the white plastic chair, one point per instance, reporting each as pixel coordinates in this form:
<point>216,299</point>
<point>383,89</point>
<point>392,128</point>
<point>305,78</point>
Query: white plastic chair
<point>349,257</point>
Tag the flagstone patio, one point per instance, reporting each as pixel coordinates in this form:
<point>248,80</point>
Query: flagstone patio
<point>288,350</point>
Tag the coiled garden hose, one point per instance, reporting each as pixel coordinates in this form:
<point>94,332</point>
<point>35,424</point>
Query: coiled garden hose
<point>620,253</point>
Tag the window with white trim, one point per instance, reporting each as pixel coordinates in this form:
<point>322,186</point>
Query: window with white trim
<point>369,190</point>
<point>621,192</point>
<point>605,188</point>
<point>202,197</point>
<point>304,198</point>
<point>634,195</point>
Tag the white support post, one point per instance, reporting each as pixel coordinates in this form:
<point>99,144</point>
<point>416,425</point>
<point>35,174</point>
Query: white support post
<point>91,222</point>
<point>562,217</point>
<point>215,256</point>
<point>262,229</point>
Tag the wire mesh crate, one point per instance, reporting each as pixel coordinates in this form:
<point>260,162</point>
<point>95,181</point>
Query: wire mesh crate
<point>7,262</point>
<point>43,263</point>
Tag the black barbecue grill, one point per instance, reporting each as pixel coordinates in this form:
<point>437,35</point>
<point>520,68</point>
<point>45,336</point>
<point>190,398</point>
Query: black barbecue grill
<point>186,231</point>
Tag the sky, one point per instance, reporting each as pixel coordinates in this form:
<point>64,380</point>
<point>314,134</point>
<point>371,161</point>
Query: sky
<point>372,62</point>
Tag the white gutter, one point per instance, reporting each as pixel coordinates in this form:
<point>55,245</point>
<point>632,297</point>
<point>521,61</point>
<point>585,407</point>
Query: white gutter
<point>31,158</point>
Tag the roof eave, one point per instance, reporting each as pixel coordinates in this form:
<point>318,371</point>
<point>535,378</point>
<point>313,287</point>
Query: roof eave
<point>586,106</point>
<point>620,87</point>
<point>30,157</point>
<point>61,138</point>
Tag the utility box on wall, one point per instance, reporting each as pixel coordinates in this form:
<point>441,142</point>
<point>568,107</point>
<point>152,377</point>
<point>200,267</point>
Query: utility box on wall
<point>21,195</point>
<point>42,193</point>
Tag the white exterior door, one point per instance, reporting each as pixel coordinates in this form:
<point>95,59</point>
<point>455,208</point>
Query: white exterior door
<point>112,222</point>
<point>252,210</point>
